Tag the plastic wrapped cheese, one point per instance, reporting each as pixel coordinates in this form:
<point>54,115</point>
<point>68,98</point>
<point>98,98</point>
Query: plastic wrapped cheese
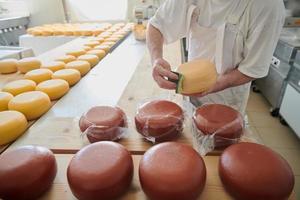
<point>27,64</point>
<point>8,66</point>
<point>12,125</point>
<point>32,104</point>
<point>39,75</point>
<point>54,65</point>
<point>19,86</point>
<point>93,59</point>
<point>72,76</point>
<point>82,66</point>
<point>5,97</point>
<point>66,58</point>
<point>55,88</point>
<point>98,52</point>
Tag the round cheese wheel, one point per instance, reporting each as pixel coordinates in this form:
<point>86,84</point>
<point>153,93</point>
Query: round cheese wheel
<point>99,53</point>
<point>66,58</point>
<point>92,43</point>
<point>118,36</point>
<point>19,86</point>
<point>87,33</point>
<point>102,170</point>
<point>99,39</point>
<point>5,97</point>
<point>39,75</point>
<point>87,48</point>
<point>253,171</point>
<point>105,48</point>
<point>108,43</point>
<point>12,125</point>
<point>26,172</point>
<point>105,123</point>
<point>82,66</point>
<point>111,39</point>
<point>76,52</point>
<point>159,119</point>
<point>221,120</point>
<point>172,171</point>
<point>72,76</point>
<point>32,104</point>
<point>91,58</point>
<point>27,64</point>
<point>54,65</point>
<point>55,88</point>
<point>68,32</point>
<point>8,66</point>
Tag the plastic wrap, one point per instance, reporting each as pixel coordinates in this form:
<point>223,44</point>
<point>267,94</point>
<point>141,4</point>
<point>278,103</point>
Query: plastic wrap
<point>159,119</point>
<point>103,123</point>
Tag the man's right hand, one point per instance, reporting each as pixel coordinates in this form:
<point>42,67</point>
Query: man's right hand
<point>162,71</point>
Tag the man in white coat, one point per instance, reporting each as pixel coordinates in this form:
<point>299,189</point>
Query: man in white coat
<point>239,36</point>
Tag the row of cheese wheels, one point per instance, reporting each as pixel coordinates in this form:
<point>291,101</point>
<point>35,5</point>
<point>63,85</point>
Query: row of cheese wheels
<point>30,98</point>
<point>77,29</point>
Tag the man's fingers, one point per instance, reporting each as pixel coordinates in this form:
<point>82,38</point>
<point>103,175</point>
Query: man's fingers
<point>166,73</point>
<point>163,83</point>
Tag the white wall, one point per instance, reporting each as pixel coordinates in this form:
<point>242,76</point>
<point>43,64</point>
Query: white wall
<point>45,11</point>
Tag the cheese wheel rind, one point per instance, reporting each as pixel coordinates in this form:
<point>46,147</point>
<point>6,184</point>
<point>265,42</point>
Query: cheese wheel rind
<point>27,64</point>
<point>72,76</point>
<point>8,66</point>
<point>54,65</point>
<point>66,58</point>
<point>12,125</point>
<point>39,75</point>
<point>55,88</point>
<point>82,66</point>
<point>5,97</point>
<point>91,58</point>
<point>19,86</point>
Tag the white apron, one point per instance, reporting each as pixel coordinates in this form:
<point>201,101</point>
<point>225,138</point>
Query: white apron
<point>217,45</point>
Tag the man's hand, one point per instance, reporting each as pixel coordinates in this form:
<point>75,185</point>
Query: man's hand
<point>162,71</point>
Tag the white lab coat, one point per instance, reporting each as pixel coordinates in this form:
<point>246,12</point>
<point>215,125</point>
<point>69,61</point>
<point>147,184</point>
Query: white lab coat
<point>238,34</point>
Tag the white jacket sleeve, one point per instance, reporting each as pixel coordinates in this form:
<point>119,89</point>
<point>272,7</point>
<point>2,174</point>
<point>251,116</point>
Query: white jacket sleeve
<point>173,18</point>
<point>265,24</point>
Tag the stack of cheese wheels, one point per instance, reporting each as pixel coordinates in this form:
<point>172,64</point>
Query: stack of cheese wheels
<point>223,121</point>
<point>55,88</point>
<point>98,52</point>
<point>12,125</point>
<point>26,172</point>
<point>105,48</point>
<point>5,97</point>
<point>8,66</point>
<point>159,120</point>
<point>93,59</point>
<point>72,76</point>
<point>101,170</point>
<point>253,171</point>
<point>76,52</point>
<point>66,58</point>
<point>19,86</point>
<point>39,75</point>
<point>54,65</point>
<point>171,171</point>
<point>104,123</point>
<point>82,66</point>
<point>32,104</point>
<point>27,64</point>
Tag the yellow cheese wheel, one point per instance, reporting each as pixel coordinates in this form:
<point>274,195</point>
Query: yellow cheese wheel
<point>98,52</point>
<point>108,43</point>
<point>105,48</point>
<point>32,104</point>
<point>111,39</point>
<point>76,52</point>
<point>8,66</point>
<point>55,88</point>
<point>82,66</point>
<point>66,58</point>
<point>39,75</point>
<point>99,39</point>
<point>87,48</point>
<point>72,76</point>
<point>27,64</point>
<point>92,43</point>
<point>46,32</point>
<point>68,32</point>
<point>19,86</point>
<point>196,76</point>
<point>12,125</point>
<point>36,32</point>
<point>119,36</point>
<point>5,97</point>
<point>54,65</point>
<point>93,59</point>
<point>87,33</point>
<point>58,32</point>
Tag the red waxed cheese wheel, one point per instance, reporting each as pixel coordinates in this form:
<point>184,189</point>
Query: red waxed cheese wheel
<point>102,170</point>
<point>159,119</point>
<point>26,172</point>
<point>220,119</point>
<point>172,171</point>
<point>104,123</point>
<point>253,171</point>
